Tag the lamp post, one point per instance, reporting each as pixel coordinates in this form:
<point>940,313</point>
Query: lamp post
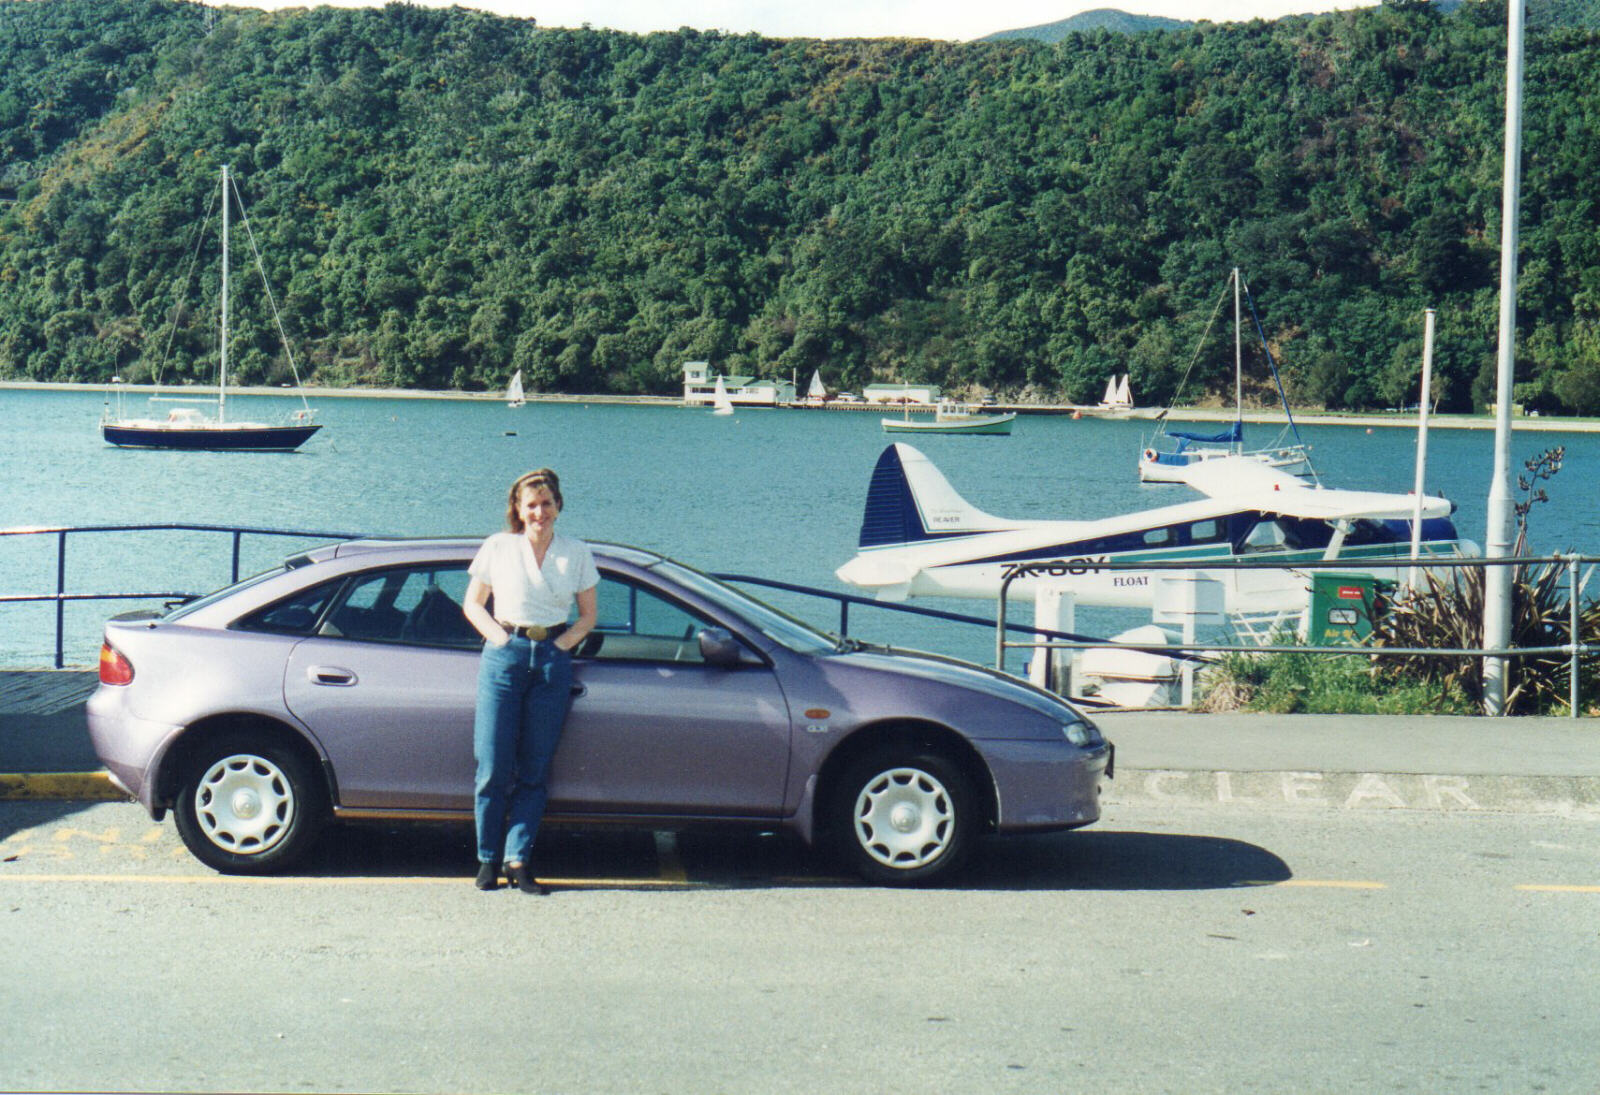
<point>1497,542</point>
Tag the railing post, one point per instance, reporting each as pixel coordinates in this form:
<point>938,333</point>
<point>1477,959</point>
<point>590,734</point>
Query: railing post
<point>61,604</point>
<point>1572,606</point>
<point>1000,627</point>
<point>844,619</point>
<point>238,535</point>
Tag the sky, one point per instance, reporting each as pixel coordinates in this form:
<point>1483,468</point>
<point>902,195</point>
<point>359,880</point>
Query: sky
<point>958,20</point>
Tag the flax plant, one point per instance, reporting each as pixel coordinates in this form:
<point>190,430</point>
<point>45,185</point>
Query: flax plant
<point>1447,612</point>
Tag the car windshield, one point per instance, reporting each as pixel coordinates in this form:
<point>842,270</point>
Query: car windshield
<point>198,603</point>
<point>777,625</point>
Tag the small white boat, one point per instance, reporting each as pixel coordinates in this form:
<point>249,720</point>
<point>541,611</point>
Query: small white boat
<point>720,403</point>
<point>514,397</point>
<point>952,418</point>
<point>1119,395</point>
<point>817,394</point>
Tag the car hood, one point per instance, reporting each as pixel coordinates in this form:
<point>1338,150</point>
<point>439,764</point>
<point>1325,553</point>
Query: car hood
<point>944,670</point>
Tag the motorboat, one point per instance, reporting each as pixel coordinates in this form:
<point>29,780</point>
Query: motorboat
<point>950,417</point>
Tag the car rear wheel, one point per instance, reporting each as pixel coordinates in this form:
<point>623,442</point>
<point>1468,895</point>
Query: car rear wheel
<point>249,807</point>
<point>902,817</point>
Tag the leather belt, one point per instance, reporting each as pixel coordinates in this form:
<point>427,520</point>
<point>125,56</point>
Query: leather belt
<point>536,632</point>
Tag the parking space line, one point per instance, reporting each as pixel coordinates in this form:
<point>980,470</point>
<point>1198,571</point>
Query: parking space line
<point>363,880</point>
<point>1324,884</point>
<point>1531,887</point>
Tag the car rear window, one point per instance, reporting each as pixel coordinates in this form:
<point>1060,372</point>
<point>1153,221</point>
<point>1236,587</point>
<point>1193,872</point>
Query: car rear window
<point>226,591</point>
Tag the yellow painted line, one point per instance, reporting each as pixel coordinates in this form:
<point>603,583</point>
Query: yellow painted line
<point>94,786</point>
<point>668,863</point>
<point>302,880</point>
<point>1532,888</point>
<point>1324,884</point>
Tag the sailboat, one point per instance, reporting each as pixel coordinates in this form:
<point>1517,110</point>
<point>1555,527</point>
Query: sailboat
<point>189,428</point>
<point>817,394</point>
<point>1119,395</point>
<point>514,396</point>
<point>720,403</point>
<point>1164,465</point>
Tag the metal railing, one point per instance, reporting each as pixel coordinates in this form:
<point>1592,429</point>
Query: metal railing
<point>61,597</point>
<point>1574,649</point>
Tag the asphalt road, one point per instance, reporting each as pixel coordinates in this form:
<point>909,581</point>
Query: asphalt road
<point>1188,948</point>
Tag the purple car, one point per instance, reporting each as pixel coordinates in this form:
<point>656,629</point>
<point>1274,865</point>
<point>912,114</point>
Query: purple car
<point>341,685</point>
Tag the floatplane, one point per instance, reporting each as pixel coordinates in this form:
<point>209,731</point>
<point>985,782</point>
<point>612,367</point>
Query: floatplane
<point>920,538</point>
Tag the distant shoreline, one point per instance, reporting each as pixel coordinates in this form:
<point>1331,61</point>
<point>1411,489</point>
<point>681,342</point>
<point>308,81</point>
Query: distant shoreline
<point>1185,414</point>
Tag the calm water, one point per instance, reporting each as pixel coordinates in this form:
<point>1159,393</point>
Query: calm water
<point>772,493</point>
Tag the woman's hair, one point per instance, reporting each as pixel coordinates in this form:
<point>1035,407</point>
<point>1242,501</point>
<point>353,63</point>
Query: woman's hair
<point>533,480</point>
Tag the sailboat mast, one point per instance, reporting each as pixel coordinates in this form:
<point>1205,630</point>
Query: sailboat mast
<point>1238,354</point>
<point>222,375</point>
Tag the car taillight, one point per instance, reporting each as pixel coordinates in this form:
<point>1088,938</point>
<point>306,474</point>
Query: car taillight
<point>114,668</point>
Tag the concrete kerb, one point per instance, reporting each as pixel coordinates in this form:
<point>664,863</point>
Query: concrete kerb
<point>61,786</point>
<point>1339,762</point>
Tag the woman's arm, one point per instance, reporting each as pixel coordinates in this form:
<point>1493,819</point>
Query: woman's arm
<point>476,609</point>
<point>588,616</point>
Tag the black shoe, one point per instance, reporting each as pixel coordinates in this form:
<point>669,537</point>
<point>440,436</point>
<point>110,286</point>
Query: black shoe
<point>488,876</point>
<point>521,876</point>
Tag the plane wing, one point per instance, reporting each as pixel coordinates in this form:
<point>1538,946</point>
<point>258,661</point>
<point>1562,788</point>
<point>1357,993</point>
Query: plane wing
<point>1254,485</point>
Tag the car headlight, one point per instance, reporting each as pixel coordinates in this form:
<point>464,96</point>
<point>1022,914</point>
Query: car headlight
<point>1083,734</point>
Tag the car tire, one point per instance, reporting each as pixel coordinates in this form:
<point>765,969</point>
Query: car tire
<point>246,806</point>
<point>903,817</point>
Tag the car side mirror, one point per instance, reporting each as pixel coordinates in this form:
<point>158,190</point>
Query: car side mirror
<point>718,647</point>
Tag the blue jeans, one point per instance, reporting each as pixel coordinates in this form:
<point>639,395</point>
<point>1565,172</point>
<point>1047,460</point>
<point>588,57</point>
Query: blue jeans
<point>524,689</point>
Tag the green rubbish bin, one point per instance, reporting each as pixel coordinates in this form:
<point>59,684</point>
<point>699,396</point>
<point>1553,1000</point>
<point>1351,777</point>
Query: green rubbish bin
<point>1344,606</point>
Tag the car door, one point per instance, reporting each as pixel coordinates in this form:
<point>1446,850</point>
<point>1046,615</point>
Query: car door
<point>655,730</point>
<point>388,684</point>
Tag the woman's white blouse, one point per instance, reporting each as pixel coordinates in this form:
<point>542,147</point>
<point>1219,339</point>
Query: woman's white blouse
<point>526,593</point>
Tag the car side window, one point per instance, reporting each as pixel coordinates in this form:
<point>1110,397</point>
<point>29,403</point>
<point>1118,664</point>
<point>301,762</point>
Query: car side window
<point>296,615</point>
<point>420,606</point>
<point>639,625</point>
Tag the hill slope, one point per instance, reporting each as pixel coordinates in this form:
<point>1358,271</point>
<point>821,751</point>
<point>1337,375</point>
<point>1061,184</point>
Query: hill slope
<point>445,196</point>
<point>1118,22</point>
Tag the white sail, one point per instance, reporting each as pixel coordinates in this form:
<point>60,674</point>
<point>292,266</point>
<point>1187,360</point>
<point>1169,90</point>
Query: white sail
<point>720,403</point>
<point>817,389</point>
<point>514,390</point>
<point>1124,393</point>
<point>1110,398</point>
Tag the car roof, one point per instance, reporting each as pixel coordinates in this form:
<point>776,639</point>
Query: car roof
<point>410,547</point>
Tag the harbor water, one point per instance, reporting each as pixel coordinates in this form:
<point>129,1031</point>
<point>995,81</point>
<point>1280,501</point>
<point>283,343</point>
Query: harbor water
<point>773,493</point>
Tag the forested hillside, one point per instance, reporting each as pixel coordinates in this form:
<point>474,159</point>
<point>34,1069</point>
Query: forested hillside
<point>445,196</point>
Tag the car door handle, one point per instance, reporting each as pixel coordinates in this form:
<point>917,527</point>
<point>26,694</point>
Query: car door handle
<point>330,674</point>
<point>580,690</point>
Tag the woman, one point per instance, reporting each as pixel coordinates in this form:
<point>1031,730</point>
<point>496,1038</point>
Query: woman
<point>525,675</point>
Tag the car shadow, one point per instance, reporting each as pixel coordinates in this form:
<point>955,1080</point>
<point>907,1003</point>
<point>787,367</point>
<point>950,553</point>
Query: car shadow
<point>21,814</point>
<point>1101,859</point>
<point>624,859</point>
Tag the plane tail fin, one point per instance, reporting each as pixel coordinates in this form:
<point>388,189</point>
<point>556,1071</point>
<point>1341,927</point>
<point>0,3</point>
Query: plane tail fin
<point>910,501</point>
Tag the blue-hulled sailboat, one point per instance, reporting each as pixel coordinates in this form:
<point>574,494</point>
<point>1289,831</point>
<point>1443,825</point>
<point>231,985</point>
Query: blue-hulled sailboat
<point>189,427</point>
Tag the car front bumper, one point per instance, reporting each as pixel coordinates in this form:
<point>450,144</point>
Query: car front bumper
<point>1044,785</point>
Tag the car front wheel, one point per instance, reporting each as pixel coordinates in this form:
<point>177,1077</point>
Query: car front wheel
<point>248,807</point>
<point>901,818</point>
